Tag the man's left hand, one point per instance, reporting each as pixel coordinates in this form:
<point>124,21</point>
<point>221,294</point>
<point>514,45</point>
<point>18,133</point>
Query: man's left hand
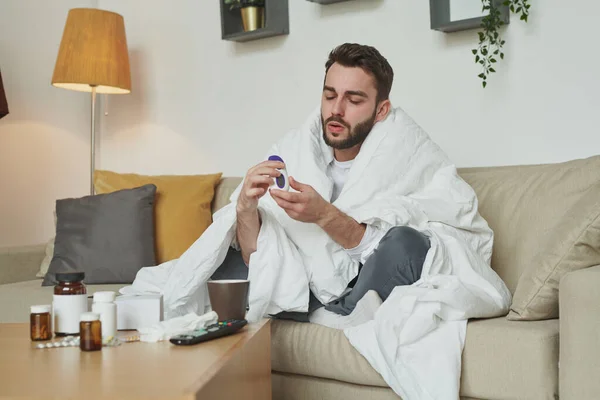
<point>305,206</point>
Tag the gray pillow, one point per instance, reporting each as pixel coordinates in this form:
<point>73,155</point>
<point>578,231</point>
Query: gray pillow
<point>107,236</point>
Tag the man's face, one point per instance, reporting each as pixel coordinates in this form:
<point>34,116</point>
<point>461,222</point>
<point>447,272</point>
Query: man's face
<point>348,106</point>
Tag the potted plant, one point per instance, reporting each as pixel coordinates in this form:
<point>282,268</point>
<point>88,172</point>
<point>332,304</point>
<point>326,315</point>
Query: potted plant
<point>490,41</point>
<point>253,12</point>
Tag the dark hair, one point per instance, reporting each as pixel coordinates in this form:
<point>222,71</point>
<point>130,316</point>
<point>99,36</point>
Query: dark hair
<point>370,60</point>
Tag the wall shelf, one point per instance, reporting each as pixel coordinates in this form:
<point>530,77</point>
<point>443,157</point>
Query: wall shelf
<point>277,22</point>
<point>440,17</point>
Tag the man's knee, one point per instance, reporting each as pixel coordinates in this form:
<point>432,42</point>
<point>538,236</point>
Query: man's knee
<point>399,256</point>
<point>405,241</point>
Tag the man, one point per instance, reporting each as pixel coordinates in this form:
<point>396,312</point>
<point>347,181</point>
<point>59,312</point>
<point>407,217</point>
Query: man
<point>356,89</point>
<point>378,212</point>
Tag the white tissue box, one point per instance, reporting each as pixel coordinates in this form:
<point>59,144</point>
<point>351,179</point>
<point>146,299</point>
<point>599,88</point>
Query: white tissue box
<point>134,312</point>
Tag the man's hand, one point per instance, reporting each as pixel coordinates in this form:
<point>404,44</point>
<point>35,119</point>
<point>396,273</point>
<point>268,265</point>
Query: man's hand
<point>256,183</point>
<point>309,206</point>
<point>305,206</point>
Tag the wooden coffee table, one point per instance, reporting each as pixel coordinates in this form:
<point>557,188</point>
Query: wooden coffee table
<point>232,367</point>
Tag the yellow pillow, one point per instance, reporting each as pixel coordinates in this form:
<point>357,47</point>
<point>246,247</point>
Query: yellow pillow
<point>182,208</point>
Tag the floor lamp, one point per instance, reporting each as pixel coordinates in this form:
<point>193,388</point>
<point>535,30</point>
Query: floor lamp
<point>3,102</point>
<point>93,58</point>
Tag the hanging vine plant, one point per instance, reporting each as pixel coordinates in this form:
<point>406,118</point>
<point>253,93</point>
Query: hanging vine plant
<point>490,42</point>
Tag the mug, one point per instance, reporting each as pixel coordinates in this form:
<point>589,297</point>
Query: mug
<point>229,298</point>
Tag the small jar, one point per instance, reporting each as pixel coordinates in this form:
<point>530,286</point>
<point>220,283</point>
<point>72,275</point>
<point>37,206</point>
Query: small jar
<point>40,322</point>
<point>69,302</point>
<point>90,332</point>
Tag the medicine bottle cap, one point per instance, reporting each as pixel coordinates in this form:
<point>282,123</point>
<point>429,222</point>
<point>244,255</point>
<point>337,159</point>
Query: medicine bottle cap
<point>89,316</point>
<point>104,297</point>
<point>40,309</point>
<point>70,276</point>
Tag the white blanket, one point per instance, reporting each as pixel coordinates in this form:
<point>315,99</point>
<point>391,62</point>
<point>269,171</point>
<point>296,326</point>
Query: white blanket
<point>400,177</point>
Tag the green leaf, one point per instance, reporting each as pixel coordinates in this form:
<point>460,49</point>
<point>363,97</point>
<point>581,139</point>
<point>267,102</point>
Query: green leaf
<point>492,70</point>
<point>482,75</point>
<point>512,8</point>
<point>481,62</point>
<point>493,60</point>
<point>474,51</point>
<point>497,51</point>
<point>477,59</point>
<point>484,83</point>
<point>502,42</point>
<point>502,56</point>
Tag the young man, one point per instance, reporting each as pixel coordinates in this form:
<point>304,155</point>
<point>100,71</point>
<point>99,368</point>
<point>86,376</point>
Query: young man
<point>356,89</point>
<point>378,212</point>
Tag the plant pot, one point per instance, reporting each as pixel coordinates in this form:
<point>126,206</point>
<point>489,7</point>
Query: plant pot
<point>253,18</point>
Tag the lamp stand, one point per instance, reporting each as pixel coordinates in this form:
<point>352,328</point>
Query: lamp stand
<point>93,141</point>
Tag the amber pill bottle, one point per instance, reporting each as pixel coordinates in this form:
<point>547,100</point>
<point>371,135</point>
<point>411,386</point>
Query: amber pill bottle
<point>90,332</point>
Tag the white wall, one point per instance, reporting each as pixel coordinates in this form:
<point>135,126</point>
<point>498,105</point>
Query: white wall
<point>44,141</point>
<point>201,104</point>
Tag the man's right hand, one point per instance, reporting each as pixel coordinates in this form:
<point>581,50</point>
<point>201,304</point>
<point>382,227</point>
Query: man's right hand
<point>256,183</point>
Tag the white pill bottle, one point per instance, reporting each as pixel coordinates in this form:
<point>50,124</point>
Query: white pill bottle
<point>104,304</point>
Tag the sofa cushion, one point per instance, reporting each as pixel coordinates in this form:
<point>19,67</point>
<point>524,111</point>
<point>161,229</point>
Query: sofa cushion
<point>16,298</point>
<point>182,208</point>
<point>315,350</point>
<point>546,222</point>
<point>517,359</point>
<point>109,236</point>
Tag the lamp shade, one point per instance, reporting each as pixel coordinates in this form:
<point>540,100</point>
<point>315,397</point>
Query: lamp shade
<point>3,102</point>
<point>93,52</point>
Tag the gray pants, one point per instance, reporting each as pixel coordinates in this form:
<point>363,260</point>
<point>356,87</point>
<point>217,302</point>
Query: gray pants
<point>397,261</point>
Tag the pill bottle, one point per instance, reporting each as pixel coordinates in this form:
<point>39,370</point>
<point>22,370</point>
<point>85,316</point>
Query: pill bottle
<point>40,323</point>
<point>90,332</point>
<point>104,304</point>
<point>69,302</point>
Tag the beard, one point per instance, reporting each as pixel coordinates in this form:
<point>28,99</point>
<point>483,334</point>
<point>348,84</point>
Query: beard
<point>356,134</point>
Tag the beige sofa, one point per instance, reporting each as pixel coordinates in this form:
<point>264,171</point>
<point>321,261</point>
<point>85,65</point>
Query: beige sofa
<point>502,359</point>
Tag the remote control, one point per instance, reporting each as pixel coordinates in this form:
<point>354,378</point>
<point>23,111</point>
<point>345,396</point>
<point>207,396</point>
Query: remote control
<point>221,328</point>
<point>281,182</point>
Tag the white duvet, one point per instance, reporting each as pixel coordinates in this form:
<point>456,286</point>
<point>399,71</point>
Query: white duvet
<point>400,177</point>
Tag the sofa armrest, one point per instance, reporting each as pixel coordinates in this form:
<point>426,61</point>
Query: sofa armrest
<point>579,305</point>
<point>22,263</point>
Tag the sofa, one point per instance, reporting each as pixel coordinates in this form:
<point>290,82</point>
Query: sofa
<point>502,359</point>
